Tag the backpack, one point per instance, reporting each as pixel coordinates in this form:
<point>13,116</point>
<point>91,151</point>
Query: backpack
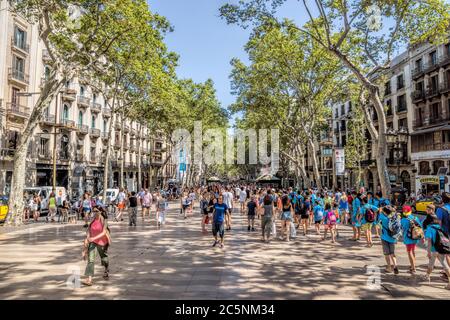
<point>442,242</point>
<point>415,231</point>
<point>320,214</point>
<point>331,218</point>
<point>395,227</point>
<point>369,215</point>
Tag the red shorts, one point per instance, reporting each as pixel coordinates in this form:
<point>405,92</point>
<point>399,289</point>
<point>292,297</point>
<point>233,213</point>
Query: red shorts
<point>410,247</point>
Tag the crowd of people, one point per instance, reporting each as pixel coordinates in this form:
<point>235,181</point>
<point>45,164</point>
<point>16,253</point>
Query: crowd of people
<point>279,214</point>
<point>324,212</point>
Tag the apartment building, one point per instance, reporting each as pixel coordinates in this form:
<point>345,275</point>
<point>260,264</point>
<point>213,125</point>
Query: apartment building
<point>430,73</point>
<point>73,128</point>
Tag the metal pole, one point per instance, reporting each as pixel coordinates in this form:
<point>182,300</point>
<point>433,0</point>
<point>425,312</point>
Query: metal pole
<point>54,142</point>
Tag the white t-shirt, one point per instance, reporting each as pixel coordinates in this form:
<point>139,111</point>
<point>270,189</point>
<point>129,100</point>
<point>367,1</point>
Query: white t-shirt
<point>228,199</point>
<point>121,197</point>
<point>242,196</point>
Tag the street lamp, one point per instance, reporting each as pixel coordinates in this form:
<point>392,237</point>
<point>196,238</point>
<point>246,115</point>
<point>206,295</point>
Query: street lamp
<point>397,138</point>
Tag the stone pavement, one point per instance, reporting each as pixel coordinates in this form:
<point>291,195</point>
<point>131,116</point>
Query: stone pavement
<point>178,262</point>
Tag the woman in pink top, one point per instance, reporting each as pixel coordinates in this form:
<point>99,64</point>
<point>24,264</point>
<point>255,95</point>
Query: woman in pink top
<point>97,238</point>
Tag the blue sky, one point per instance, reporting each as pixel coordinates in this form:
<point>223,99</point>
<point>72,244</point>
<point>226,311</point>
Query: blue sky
<point>205,43</point>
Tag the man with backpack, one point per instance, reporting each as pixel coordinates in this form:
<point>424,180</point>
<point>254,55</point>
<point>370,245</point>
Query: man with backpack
<point>438,246</point>
<point>367,218</point>
<point>412,234</point>
<point>389,236</point>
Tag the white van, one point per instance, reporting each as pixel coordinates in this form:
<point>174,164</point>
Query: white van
<point>44,194</point>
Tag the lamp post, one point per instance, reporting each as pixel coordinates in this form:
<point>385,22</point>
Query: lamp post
<point>397,138</point>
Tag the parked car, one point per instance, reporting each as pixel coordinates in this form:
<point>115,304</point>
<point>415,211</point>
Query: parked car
<point>420,206</point>
<point>44,194</point>
<point>3,208</point>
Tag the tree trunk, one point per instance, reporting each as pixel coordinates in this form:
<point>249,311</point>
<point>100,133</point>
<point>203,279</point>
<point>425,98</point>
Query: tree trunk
<point>122,155</point>
<point>315,163</point>
<point>139,158</point>
<point>107,164</point>
<point>16,203</point>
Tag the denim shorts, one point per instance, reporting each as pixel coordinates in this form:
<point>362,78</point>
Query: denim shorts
<point>286,216</point>
<point>217,228</point>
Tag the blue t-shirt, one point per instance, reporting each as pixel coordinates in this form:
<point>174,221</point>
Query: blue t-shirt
<point>430,233</point>
<point>219,214</point>
<point>444,217</point>
<point>343,204</point>
<point>356,205</point>
<point>385,229</point>
<point>318,213</point>
<point>363,212</point>
<point>405,227</point>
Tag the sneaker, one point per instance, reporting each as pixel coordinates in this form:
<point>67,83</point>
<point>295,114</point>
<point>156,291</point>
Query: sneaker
<point>85,226</point>
<point>221,245</point>
<point>253,229</point>
<point>215,243</point>
<point>396,271</point>
<point>248,229</point>
<point>388,270</point>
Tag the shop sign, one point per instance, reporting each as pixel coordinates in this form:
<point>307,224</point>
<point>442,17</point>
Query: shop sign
<point>429,180</point>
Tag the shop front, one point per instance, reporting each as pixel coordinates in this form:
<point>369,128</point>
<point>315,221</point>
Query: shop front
<point>429,185</point>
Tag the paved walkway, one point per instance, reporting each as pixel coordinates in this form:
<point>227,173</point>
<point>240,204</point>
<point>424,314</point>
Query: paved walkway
<point>178,262</point>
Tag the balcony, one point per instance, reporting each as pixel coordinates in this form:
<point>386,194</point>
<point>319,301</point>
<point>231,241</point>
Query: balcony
<point>20,46</point>
<point>18,76</point>
<point>428,121</point>
<point>106,112</point>
<point>80,157</point>
<point>157,161</point>
<point>94,133</point>
<point>431,66</point>
<point>83,101</point>
<point>444,87</point>
<point>68,92</point>
<point>48,120</point>
<point>117,126</point>
<point>93,158</point>
<point>343,127</point>
<point>430,147</point>
<point>16,111</point>
<point>367,163</point>
<point>402,107</point>
<point>96,107</point>
<point>418,96</point>
<point>133,132</point>
<point>432,92</point>
<point>444,60</point>
<point>126,128</point>
<point>105,135</point>
<point>44,155</point>
<point>417,72</point>
<point>83,129</point>
<point>7,153</point>
<point>68,124</point>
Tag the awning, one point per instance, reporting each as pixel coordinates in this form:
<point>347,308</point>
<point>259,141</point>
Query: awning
<point>433,129</point>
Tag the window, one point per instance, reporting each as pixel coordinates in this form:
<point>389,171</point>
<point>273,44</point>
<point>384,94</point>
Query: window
<point>419,65</point>
<point>80,118</point>
<point>390,125</point>
<point>424,168</point>
<point>349,106</point>
<point>447,50</point>
<point>64,152</point>
<point>94,98</point>
<point>436,165</point>
<point>389,107</point>
<point>13,139</point>
<point>343,109</point>
<point>93,122</point>
<point>105,123</point>
<point>47,71</point>
<point>20,38</point>
<point>82,91</point>
<point>387,88</point>
<point>402,123</point>
<point>65,113</point>
<point>93,153</point>
<point>18,68</point>
<point>337,112</point>
<point>43,147</point>
<point>400,82</point>
<point>401,103</point>
<point>15,97</point>
<point>433,58</point>
<point>420,87</point>
<point>434,83</point>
